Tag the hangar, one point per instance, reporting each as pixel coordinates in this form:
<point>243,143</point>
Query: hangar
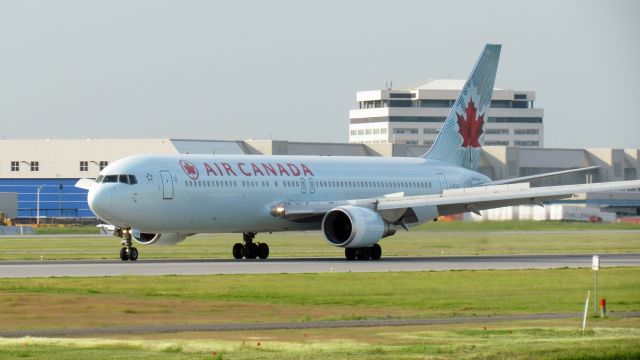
<point>43,171</point>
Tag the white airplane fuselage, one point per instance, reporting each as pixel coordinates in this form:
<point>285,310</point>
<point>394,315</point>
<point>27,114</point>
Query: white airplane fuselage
<point>237,193</point>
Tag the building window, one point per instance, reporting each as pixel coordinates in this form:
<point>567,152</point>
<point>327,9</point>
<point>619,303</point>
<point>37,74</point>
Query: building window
<point>84,166</point>
<point>103,164</point>
<point>15,166</point>
<point>496,143</point>
<point>431,131</point>
<point>354,132</point>
<point>436,103</point>
<point>376,131</point>
<point>526,131</point>
<point>525,120</point>
<point>35,166</point>
<point>400,95</point>
<point>498,131</point>
<point>428,143</point>
<point>526,143</point>
<point>405,131</point>
<point>520,96</point>
<point>368,131</point>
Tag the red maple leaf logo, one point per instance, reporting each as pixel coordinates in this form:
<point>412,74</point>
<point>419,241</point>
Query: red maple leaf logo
<point>471,127</point>
<point>189,169</point>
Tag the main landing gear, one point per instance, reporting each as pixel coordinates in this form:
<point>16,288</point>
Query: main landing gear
<point>127,252</point>
<point>365,253</point>
<point>249,249</point>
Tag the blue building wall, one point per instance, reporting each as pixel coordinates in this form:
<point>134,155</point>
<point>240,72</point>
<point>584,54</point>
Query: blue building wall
<point>58,197</point>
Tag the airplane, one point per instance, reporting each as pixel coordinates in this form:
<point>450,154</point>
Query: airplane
<point>354,201</point>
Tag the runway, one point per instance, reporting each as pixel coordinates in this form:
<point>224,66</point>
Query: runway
<point>23,269</point>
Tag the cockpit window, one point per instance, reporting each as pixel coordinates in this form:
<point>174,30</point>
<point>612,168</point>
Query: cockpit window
<point>123,178</point>
<point>110,178</point>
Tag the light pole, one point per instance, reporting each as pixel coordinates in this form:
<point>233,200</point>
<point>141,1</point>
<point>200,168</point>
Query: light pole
<point>38,205</point>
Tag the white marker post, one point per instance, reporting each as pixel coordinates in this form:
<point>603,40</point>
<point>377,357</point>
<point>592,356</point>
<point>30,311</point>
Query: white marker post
<point>586,308</point>
<point>595,266</point>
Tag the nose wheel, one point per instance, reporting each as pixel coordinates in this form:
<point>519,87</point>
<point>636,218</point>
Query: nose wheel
<point>128,252</point>
<point>250,250</point>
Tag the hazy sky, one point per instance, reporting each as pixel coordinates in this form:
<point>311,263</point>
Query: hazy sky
<point>289,70</point>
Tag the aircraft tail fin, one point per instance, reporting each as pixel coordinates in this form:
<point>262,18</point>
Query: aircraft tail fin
<point>462,134</point>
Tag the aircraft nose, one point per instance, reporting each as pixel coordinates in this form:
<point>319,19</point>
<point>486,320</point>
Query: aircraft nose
<point>99,199</point>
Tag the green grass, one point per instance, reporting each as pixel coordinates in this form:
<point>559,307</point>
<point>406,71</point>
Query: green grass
<point>326,296</point>
<point>504,341</point>
<point>138,301</point>
<point>428,240</point>
<point>66,230</point>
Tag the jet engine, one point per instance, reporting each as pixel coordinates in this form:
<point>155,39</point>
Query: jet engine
<point>355,227</point>
<point>159,239</point>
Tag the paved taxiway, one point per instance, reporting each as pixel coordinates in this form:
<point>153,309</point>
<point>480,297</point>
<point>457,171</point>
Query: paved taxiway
<point>21,269</point>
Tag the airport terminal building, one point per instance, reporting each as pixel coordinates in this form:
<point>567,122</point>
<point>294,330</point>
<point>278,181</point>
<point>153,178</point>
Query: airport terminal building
<point>42,173</point>
<point>414,116</point>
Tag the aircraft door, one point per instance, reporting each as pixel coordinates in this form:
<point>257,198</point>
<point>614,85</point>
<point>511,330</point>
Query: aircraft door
<point>303,185</point>
<point>443,181</point>
<point>312,186</point>
<point>167,184</point>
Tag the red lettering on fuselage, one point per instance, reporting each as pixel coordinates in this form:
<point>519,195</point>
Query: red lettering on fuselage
<point>306,170</point>
<point>261,169</point>
<point>282,169</point>
<point>209,169</point>
<point>268,168</point>
<point>256,170</point>
<point>294,169</point>
<point>228,168</point>
<point>219,170</point>
<point>240,165</point>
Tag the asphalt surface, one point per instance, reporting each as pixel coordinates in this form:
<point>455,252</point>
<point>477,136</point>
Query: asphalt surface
<point>22,269</point>
<point>151,329</point>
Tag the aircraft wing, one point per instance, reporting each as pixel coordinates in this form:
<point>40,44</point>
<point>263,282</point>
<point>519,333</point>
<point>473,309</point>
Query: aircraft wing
<point>84,183</point>
<point>453,201</point>
<point>538,176</point>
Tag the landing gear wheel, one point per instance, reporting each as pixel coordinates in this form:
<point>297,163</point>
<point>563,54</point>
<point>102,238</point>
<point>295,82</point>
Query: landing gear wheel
<point>363,253</point>
<point>263,250</point>
<point>376,252</point>
<point>133,254</point>
<point>350,253</point>
<point>251,251</point>
<point>238,251</point>
<point>123,254</point>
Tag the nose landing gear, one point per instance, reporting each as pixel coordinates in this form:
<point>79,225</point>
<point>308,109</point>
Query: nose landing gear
<point>127,252</point>
<point>250,250</point>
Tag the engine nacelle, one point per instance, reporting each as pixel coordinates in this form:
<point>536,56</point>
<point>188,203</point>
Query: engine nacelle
<point>158,239</point>
<point>355,227</point>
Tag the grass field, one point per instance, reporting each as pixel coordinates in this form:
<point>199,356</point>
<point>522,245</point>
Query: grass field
<point>55,303</point>
<point>118,301</point>
<point>432,239</point>
<point>525,340</point>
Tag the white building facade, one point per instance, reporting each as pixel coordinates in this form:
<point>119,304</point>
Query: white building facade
<point>414,116</point>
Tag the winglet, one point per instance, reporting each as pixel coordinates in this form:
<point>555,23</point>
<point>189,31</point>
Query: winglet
<point>462,133</point>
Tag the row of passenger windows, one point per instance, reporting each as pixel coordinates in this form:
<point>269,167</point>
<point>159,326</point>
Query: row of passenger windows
<point>317,183</point>
<point>125,179</point>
